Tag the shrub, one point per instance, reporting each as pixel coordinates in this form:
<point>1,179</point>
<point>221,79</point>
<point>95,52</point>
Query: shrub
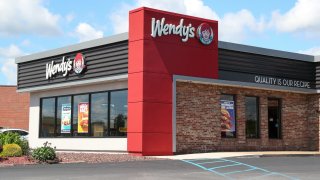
<point>11,150</point>
<point>45,153</point>
<point>0,146</point>
<point>24,144</point>
<point>15,138</point>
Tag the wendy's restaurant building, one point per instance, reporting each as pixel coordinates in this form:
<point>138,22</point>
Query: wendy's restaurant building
<point>169,86</point>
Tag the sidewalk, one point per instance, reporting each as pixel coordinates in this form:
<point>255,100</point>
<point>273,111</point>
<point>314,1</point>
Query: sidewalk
<point>215,155</point>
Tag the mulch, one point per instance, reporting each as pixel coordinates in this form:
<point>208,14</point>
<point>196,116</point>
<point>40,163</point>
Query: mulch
<point>100,157</point>
<point>75,157</point>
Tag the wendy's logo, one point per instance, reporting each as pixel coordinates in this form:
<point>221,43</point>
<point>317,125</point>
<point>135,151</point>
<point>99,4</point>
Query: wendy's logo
<point>205,34</point>
<point>78,63</point>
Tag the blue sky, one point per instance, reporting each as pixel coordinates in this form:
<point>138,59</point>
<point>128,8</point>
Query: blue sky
<point>30,26</point>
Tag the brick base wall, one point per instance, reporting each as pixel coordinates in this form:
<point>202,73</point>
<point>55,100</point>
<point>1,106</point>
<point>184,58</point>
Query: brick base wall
<point>14,108</point>
<point>198,120</point>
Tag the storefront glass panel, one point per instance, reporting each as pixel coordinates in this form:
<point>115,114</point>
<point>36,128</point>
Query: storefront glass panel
<point>80,118</point>
<point>63,116</point>
<point>99,114</point>
<point>47,126</point>
<point>118,113</point>
<point>252,117</point>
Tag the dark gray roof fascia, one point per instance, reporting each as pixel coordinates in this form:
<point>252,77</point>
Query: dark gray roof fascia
<point>265,51</point>
<point>75,47</point>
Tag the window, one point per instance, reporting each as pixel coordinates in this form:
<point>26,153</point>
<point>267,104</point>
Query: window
<point>252,117</point>
<point>80,120</point>
<point>228,116</point>
<point>99,114</point>
<point>47,117</point>
<point>63,116</point>
<point>118,113</point>
<point>274,118</point>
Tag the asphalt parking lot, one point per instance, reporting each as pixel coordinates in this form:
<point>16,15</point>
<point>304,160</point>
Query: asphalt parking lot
<point>222,168</point>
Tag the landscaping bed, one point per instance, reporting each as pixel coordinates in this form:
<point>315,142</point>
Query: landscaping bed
<point>75,157</point>
<point>99,157</point>
<point>14,150</point>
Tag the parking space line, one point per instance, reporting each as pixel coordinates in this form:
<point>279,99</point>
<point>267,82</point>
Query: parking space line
<point>273,174</point>
<point>234,172</point>
<point>204,168</point>
<point>195,164</point>
<point>193,160</point>
<point>211,162</point>
<point>234,163</point>
<point>248,165</point>
<point>229,165</point>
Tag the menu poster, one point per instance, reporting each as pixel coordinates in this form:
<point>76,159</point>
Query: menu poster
<point>228,123</point>
<point>83,117</point>
<point>65,118</point>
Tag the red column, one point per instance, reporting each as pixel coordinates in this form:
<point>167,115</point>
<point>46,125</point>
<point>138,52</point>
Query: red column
<point>152,64</point>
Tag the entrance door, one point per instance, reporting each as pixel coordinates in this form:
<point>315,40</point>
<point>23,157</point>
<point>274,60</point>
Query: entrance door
<point>274,119</point>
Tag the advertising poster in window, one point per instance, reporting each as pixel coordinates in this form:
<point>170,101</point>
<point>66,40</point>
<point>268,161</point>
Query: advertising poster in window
<point>227,116</point>
<point>65,118</point>
<point>83,117</point>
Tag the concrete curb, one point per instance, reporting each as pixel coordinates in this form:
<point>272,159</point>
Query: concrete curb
<point>6,165</point>
<point>217,155</point>
<point>290,155</point>
<point>72,162</point>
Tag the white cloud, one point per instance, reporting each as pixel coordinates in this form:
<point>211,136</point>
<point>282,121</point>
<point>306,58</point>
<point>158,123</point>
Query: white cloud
<point>86,32</point>
<point>232,26</point>
<point>119,18</point>
<point>303,17</point>
<point>25,42</point>
<point>236,26</point>
<point>315,51</point>
<point>10,52</point>
<point>197,8</point>
<point>8,67</point>
<point>9,70</point>
<point>70,17</point>
<point>23,16</point>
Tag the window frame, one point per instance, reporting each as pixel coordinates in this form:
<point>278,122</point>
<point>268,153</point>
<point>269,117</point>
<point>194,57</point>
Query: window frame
<point>234,96</point>
<point>258,116</point>
<point>89,135</point>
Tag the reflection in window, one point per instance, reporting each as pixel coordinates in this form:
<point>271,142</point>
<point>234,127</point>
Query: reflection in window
<point>252,117</point>
<point>118,113</point>
<point>63,115</point>
<point>99,114</point>
<point>80,115</point>
<point>94,114</point>
<point>47,117</point>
